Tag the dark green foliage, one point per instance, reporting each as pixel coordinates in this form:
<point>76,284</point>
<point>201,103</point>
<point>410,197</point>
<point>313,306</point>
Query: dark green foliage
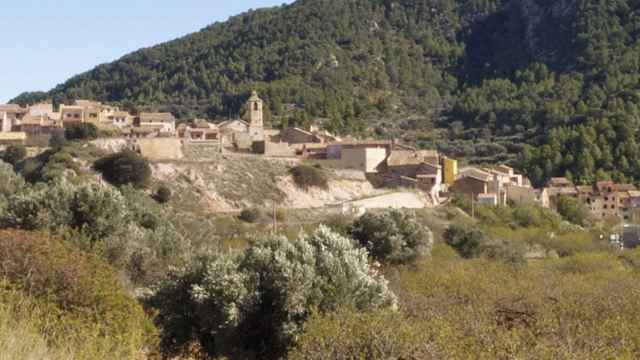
<point>14,154</point>
<point>163,194</point>
<point>393,237</point>
<point>573,210</point>
<point>333,59</point>
<point>467,242</point>
<point>249,215</point>
<point>306,177</point>
<point>551,86</point>
<point>125,167</point>
<point>57,139</point>
<point>83,131</point>
<point>471,242</point>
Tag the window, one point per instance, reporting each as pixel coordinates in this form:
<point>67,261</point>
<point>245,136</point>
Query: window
<point>77,116</point>
<point>255,106</point>
<point>605,206</point>
<point>606,198</point>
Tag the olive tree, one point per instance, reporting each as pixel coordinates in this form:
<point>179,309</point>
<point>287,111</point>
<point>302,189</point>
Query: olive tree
<point>394,236</point>
<point>258,300</point>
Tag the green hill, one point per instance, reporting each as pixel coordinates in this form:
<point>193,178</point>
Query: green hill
<point>552,86</point>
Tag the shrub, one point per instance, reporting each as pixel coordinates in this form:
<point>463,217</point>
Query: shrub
<point>10,182</point>
<point>348,334</point>
<point>258,300</point>
<point>394,236</point>
<point>470,243</point>
<point>163,194</point>
<point>249,215</point>
<point>131,231</point>
<point>57,139</point>
<point>467,242</point>
<point>84,131</point>
<point>84,297</point>
<point>573,210</point>
<point>14,154</point>
<point>307,177</point>
<point>126,167</point>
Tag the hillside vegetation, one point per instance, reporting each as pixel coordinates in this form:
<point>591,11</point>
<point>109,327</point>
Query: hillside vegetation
<point>81,258</point>
<point>496,75</point>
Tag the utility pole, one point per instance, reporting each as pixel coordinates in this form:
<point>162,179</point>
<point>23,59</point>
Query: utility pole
<point>275,219</point>
<point>473,207</point>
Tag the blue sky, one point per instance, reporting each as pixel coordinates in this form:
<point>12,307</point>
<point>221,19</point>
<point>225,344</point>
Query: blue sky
<point>44,42</point>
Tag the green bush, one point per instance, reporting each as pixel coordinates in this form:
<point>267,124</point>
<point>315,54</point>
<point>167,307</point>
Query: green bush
<point>573,210</point>
<point>467,242</point>
<point>470,243</point>
<point>14,154</point>
<point>162,194</point>
<point>306,177</point>
<point>83,131</point>
<point>57,139</point>
<point>256,302</point>
<point>393,236</point>
<point>84,296</point>
<point>249,215</point>
<point>126,226</point>
<point>126,167</point>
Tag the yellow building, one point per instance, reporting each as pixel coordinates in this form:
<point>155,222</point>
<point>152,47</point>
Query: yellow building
<point>450,170</point>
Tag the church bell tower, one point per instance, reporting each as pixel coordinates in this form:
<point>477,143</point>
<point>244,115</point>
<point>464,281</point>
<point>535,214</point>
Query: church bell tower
<point>256,120</point>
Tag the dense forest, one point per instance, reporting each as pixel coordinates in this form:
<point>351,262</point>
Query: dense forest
<point>551,86</point>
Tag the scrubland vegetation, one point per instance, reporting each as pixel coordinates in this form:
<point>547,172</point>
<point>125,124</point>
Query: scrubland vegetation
<point>91,270</point>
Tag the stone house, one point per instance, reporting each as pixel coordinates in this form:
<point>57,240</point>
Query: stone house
<point>14,112</point>
<point>35,125</point>
<point>163,122</point>
<point>120,120</point>
<point>6,125</point>
<point>299,136</point>
<point>199,131</point>
<point>42,109</point>
<point>472,184</point>
<point>524,195</point>
<point>231,126</point>
<point>334,150</point>
<point>72,115</point>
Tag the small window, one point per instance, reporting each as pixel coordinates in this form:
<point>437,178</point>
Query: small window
<point>605,206</point>
<point>606,198</point>
<point>255,106</point>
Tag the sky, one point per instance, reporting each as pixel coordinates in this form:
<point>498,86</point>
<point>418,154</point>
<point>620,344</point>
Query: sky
<point>45,42</point>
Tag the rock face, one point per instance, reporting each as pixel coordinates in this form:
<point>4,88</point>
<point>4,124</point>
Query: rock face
<point>544,33</point>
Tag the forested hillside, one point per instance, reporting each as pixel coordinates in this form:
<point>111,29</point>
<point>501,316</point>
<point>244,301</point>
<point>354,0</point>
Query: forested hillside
<point>554,82</point>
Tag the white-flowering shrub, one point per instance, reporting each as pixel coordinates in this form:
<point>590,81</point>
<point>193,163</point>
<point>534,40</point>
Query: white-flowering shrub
<point>10,182</point>
<point>394,236</point>
<point>259,300</point>
<point>130,230</point>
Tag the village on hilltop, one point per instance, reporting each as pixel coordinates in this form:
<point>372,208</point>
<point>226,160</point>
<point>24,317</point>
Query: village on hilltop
<point>386,163</point>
